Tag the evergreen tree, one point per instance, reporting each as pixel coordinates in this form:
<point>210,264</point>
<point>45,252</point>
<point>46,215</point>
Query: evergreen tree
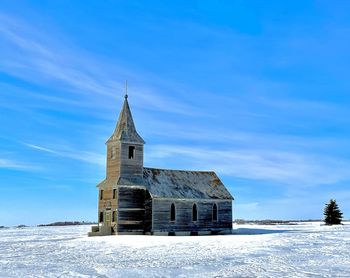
<point>332,213</point>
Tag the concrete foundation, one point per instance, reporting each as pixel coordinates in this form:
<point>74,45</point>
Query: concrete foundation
<point>100,231</point>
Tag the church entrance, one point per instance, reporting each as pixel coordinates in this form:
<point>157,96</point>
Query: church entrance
<point>107,218</point>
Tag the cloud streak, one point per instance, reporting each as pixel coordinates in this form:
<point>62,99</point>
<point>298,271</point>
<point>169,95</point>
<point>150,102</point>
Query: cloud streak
<point>288,168</point>
<point>79,72</point>
<point>15,165</point>
<point>88,157</point>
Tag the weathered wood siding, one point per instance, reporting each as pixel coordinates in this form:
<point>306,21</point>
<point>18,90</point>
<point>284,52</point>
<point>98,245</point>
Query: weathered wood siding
<point>183,217</point>
<point>128,202</point>
<point>107,201</point>
<point>107,196</point>
<point>118,162</point>
<point>148,213</point>
<point>113,162</point>
<point>131,167</point>
<point>131,209</point>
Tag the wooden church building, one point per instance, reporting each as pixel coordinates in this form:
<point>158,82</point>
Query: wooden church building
<point>134,199</point>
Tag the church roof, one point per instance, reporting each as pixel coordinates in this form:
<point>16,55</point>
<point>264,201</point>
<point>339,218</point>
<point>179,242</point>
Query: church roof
<point>122,181</point>
<point>184,184</point>
<point>176,184</point>
<point>125,129</point>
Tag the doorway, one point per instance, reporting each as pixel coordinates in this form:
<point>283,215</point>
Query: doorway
<point>107,218</point>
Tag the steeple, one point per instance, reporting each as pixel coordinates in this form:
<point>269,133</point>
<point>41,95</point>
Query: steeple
<point>125,130</point>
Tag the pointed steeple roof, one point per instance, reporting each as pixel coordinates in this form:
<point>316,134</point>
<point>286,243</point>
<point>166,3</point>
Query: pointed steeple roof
<point>125,129</point>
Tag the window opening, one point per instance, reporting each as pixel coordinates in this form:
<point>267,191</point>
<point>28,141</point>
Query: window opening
<point>131,152</point>
<point>113,153</point>
<point>215,212</point>
<point>101,194</point>
<point>172,212</point>
<point>194,213</point>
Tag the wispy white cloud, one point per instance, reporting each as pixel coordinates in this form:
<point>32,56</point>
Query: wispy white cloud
<point>310,205</point>
<point>97,82</point>
<point>307,205</point>
<point>240,209</point>
<point>88,76</point>
<point>60,187</point>
<point>47,63</point>
<point>88,157</point>
<point>288,168</point>
<point>315,109</point>
<point>40,148</point>
<point>232,138</point>
<point>16,165</point>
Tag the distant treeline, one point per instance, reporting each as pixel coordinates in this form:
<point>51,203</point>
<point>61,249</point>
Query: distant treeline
<point>67,223</point>
<point>272,222</point>
<point>60,223</point>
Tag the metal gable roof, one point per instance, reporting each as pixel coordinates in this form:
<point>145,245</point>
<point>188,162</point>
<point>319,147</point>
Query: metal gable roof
<point>179,184</point>
<point>175,184</point>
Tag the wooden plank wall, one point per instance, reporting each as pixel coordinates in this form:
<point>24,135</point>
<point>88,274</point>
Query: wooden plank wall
<point>107,201</point>
<point>131,210</point>
<point>148,213</point>
<point>113,163</point>
<point>131,167</point>
<point>183,220</point>
<point>120,164</point>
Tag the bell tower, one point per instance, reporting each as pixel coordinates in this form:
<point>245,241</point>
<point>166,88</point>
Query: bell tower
<point>122,193</point>
<point>125,147</point>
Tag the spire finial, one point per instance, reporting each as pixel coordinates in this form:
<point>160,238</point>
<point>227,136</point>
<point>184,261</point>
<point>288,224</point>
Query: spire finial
<point>126,89</point>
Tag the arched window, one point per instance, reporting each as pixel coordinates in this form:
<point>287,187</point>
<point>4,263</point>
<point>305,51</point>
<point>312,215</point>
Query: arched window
<point>215,212</point>
<point>194,212</point>
<point>114,193</point>
<point>101,216</point>
<point>101,194</point>
<point>114,216</point>
<point>172,212</point>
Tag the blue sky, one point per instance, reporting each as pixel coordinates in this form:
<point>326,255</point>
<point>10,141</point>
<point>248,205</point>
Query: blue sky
<point>256,90</point>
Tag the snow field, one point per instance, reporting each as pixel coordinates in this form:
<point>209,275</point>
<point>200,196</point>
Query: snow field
<point>301,250</point>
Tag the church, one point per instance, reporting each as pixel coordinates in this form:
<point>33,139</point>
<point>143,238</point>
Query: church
<point>138,200</point>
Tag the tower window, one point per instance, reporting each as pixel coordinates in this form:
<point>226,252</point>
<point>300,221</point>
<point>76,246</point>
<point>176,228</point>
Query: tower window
<point>114,216</point>
<point>131,152</point>
<point>113,153</point>
<point>172,212</point>
<point>194,213</point>
<point>114,193</point>
<point>101,216</point>
<point>101,194</point>
<point>215,212</point>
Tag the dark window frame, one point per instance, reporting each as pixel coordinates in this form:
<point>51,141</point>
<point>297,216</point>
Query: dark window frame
<point>101,194</point>
<point>172,212</point>
<point>101,216</point>
<point>114,216</point>
<point>114,194</point>
<point>194,213</point>
<point>131,152</point>
<point>215,214</point>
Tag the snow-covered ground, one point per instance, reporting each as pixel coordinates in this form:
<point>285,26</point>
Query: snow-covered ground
<point>303,250</point>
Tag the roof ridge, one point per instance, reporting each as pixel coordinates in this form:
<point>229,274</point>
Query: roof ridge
<point>180,170</point>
